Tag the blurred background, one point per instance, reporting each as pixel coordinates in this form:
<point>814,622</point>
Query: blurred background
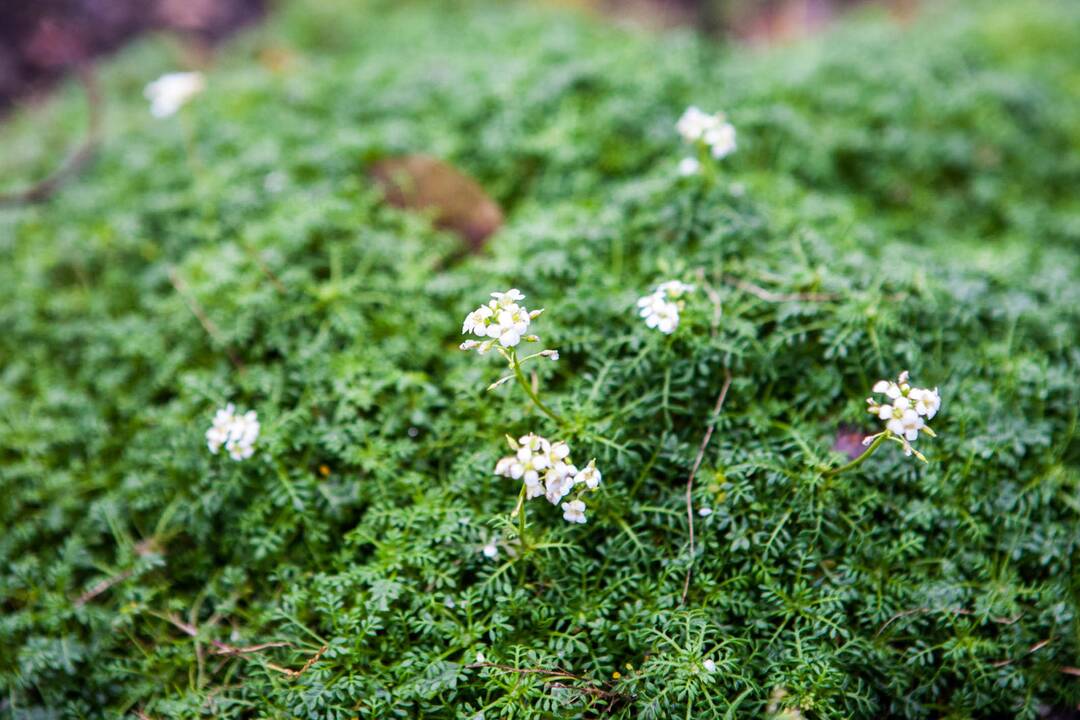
<point>42,40</point>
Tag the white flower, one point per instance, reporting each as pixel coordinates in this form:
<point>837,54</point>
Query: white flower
<point>560,450</point>
<point>237,432</point>
<point>674,288</point>
<point>530,458</point>
<point>545,468</point>
<point>712,131</point>
<point>557,485</point>
<point>507,298</point>
<point>491,550</point>
<point>170,92</point>
<point>910,425</point>
<point>906,415</point>
<point>927,402</point>
<point>693,124</point>
<point>476,321</point>
<point>511,323</point>
<point>218,434</point>
<point>660,309</point>
<point>534,488</point>
<point>689,166</point>
<point>705,512</point>
<point>590,476</point>
<point>709,665</point>
<point>721,140</point>
<point>502,319</point>
<point>574,511</point>
<point>503,467</point>
<point>664,318</point>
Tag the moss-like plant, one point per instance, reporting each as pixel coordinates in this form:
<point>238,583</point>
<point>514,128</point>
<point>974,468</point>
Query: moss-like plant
<point>901,197</point>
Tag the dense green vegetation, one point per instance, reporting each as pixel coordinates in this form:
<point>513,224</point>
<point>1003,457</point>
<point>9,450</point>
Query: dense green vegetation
<point>923,178</point>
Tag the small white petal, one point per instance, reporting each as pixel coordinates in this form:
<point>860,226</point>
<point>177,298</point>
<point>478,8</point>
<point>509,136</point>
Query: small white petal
<point>689,166</point>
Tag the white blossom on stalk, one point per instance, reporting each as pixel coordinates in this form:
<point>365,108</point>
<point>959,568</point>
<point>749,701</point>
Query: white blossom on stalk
<point>721,140</point>
<point>172,91</point>
<point>502,319</point>
<point>659,312</point>
<point>546,470</point>
<point>905,413</point>
<point>660,309</point>
<point>590,476</point>
<point>237,432</point>
<point>927,402</point>
<point>674,288</point>
<point>694,123</point>
<point>574,511</point>
<point>689,166</point>
<point>220,427</point>
<point>712,132</point>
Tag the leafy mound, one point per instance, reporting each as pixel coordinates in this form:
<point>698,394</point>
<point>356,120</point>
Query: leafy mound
<point>901,198</point>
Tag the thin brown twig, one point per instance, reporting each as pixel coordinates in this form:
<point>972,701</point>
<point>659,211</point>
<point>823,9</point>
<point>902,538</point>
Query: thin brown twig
<point>606,694</point>
<point>1033,649</point>
<point>102,586</point>
<point>142,549</point>
<point>254,255</point>
<point>769,296</point>
<point>307,666</point>
<point>186,628</point>
<point>1068,670</point>
<point>693,471</point>
<point>197,310</point>
<point>45,188</point>
<point>200,653</point>
<point>555,673</point>
<point>525,671</point>
<point>950,611</point>
<point>222,648</point>
<point>714,298</point>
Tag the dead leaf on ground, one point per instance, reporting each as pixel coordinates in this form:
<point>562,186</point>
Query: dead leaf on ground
<point>458,203</point>
<point>849,441</point>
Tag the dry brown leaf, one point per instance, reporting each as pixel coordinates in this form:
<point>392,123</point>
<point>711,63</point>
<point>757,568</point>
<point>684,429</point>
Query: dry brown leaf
<point>458,203</point>
<point>849,441</point>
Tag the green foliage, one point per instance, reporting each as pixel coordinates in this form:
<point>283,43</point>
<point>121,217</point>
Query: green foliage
<point>924,178</point>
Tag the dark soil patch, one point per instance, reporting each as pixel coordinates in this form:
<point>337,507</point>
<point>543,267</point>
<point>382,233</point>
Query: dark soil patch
<point>40,41</point>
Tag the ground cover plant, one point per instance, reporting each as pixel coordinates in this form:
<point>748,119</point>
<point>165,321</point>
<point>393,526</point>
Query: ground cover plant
<point>900,199</point>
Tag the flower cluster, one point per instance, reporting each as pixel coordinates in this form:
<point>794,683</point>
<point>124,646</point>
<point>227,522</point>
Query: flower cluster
<point>237,432</point>
<point>503,320</point>
<point>712,134</point>
<point>661,307</point>
<point>906,412</point>
<point>171,92</point>
<point>546,469</point>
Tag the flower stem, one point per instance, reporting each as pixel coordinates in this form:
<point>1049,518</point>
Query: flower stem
<point>527,387</point>
<point>521,519</point>
<point>859,460</point>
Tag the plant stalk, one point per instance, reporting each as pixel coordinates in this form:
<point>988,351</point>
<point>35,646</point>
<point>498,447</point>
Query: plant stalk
<point>527,387</point>
<point>859,460</point>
